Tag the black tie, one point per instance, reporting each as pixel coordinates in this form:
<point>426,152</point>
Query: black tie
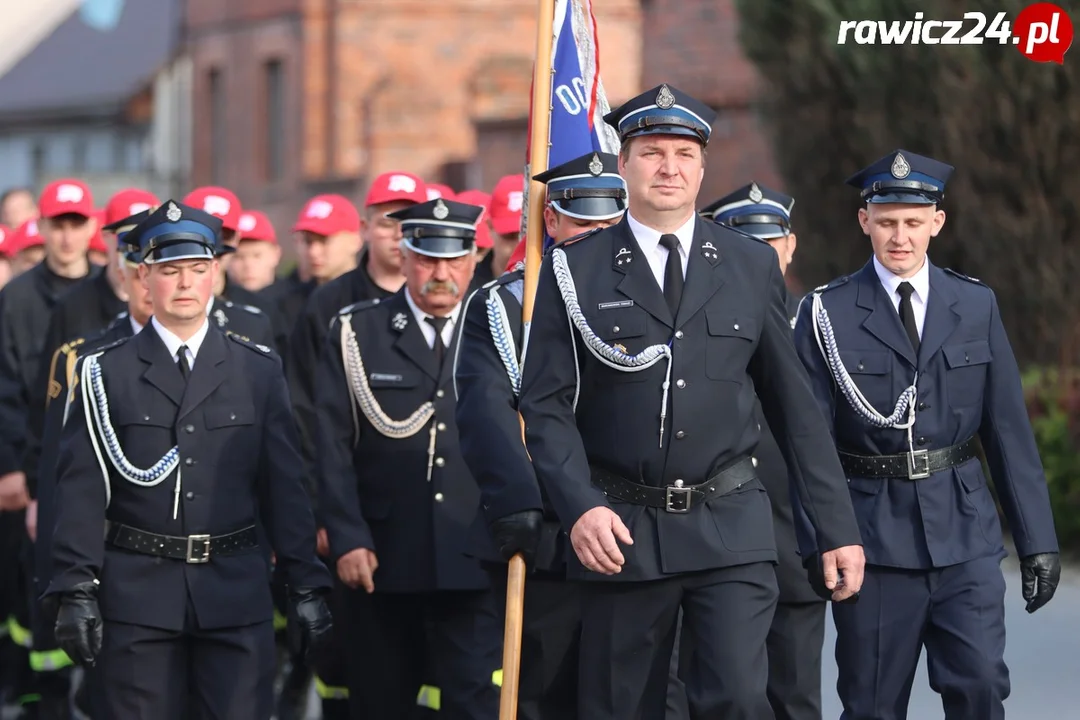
<point>673,275</point>
<point>182,362</point>
<point>440,348</point>
<point>907,314</point>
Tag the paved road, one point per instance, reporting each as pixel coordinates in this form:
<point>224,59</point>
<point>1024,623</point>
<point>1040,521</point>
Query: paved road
<point>1042,651</point>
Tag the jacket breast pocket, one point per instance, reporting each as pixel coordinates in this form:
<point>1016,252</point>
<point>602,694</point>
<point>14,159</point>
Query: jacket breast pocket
<point>145,435</point>
<point>731,341</point>
<point>872,373</point>
<point>624,330</point>
<point>236,416</point>
<point>966,376</point>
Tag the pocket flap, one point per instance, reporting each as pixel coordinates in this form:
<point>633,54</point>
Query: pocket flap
<point>392,380</point>
<point>220,417</point>
<point>960,355</point>
<point>617,324</point>
<point>867,362</point>
<point>724,324</point>
<point>124,415</point>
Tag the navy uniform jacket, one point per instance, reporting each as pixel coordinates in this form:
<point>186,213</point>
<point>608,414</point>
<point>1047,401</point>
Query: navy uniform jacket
<point>791,576</point>
<point>309,338</point>
<point>490,428</point>
<point>63,367</point>
<point>240,466</point>
<point>969,384</point>
<point>732,344</point>
<point>373,490</point>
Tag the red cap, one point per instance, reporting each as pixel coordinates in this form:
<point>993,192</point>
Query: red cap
<point>26,236</point>
<point>482,199</point>
<point>393,186</point>
<point>328,215</point>
<point>7,235</point>
<point>97,242</point>
<point>64,197</point>
<point>435,190</point>
<point>506,201</point>
<point>254,225</point>
<point>128,202</point>
<point>218,202</point>
<point>517,256</point>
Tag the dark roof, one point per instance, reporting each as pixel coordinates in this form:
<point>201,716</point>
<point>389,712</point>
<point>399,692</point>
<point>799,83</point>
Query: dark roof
<point>79,68</point>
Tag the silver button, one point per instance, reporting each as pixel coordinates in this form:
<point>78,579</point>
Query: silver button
<point>189,429</point>
<point>439,462</point>
<point>439,393</point>
<point>146,418</point>
<point>680,383</point>
<point>736,326</point>
<point>438,497</point>
<point>754,460</point>
<point>679,334</point>
<point>615,329</point>
<point>232,416</point>
<point>189,462</point>
<point>680,435</point>
<point>190,496</point>
<point>759,427</point>
<point>441,427</point>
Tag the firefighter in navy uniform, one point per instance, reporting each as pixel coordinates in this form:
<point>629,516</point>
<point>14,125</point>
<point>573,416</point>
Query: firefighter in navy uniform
<point>650,343</point>
<point>396,497</point>
<point>180,443</point>
<point>922,374</point>
<point>798,627</point>
<point>514,516</point>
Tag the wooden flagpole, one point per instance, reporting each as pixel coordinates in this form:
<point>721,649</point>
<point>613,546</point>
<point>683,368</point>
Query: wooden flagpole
<point>534,251</point>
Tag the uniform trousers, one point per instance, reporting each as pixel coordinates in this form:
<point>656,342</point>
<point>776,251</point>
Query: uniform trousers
<point>148,673</point>
<point>391,640</point>
<point>794,646</point>
<point>629,631</point>
<point>956,612</point>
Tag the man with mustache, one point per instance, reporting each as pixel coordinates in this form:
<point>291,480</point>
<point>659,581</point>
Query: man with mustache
<point>650,343</point>
<point>396,497</point>
<point>912,367</point>
<point>180,445</point>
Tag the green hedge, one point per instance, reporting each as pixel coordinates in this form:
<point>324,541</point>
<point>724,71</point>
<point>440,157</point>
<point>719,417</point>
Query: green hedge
<point>1053,399</point>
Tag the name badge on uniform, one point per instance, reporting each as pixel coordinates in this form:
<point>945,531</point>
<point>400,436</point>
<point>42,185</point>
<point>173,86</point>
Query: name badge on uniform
<point>386,377</point>
<point>615,304</point>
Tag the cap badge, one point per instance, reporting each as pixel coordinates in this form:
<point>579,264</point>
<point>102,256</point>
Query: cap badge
<point>173,213</point>
<point>664,99</point>
<point>441,212</point>
<point>900,168</point>
<point>755,193</point>
<point>595,166</point>
<point>399,321</point>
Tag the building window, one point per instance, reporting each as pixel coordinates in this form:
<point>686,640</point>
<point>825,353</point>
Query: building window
<point>218,135</point>
<point>275,119</point>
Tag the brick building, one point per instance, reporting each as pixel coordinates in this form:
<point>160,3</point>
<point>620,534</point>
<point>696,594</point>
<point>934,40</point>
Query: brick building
<point>294,97</point>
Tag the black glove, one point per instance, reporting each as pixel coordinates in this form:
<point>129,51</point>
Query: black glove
<point>518,533</point>
<point>78,624</point>
<point>815,572</point>
<point>309,621</point>
<point>1040,574</point>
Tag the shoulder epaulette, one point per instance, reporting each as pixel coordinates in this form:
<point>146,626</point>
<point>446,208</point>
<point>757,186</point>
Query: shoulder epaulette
<point>504,279</point>
<point>962,276</point>
<point>574,240</point>
<point>358,306</point>
<point>254,347</point>
<point>107,346</point>
<point>249,308</point>
<point>741,233</point>
<point>842,280</point>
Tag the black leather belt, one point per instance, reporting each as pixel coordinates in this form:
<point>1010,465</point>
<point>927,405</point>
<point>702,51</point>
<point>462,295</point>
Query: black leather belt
<point>913,466</point>
<point>194,549</point>
<point>677,498</point>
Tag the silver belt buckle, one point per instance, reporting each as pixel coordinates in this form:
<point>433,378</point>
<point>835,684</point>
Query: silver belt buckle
<point>193,542</point>
<point>918,464</point>
<point>677,498</point>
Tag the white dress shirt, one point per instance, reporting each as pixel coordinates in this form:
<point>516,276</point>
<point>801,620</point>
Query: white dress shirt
<point>136,328</point>
<point>649,241</point>
<point>428,329</point>
<point>920,281</point>
<point>173,343</point>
